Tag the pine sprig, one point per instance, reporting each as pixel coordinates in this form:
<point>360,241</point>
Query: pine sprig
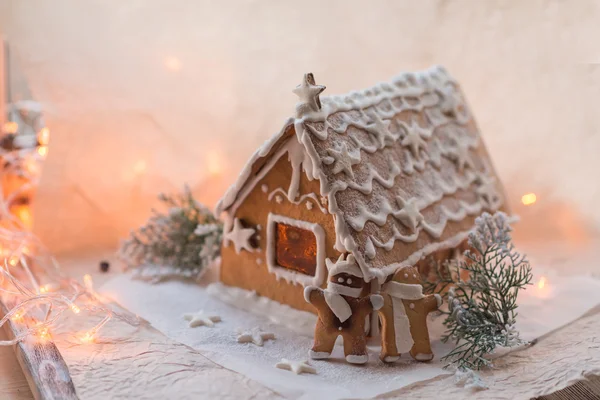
<point>482,306</point>
<point>180,242</point>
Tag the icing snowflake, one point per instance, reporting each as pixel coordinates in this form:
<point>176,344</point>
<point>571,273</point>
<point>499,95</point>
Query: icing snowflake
<point>255,336</point>
<point>486,190</point>
<point>296,367</point>
<point>309,205</point>
<point>409,215</point>
<point>240,236</point>
<point>279,199</point>
<point>344,160</point>
<point>460,155</point>
<point>414,141</point>
<point>308,93</point>
<point>201,319</point>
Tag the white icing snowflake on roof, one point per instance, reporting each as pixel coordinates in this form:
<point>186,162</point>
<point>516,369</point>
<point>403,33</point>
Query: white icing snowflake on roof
<point>296,367</point>
<point>240,236</point>
<point>255,336</point>
<point>460,155</point>
<point>201,319</point>
<point>414,141</point>
<point>486,190</point>
<point>381,130</point>
<point>409,215</point>
<point>308,93</point>
<point>344,160</point>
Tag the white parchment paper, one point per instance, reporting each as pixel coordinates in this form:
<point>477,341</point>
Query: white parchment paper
<point>542,310</point>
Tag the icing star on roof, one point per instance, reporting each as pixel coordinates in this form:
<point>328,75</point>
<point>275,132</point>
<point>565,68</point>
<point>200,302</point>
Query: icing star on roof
<point>381,130</point>
<point>460,155</point>
<point>486,190</point>
<point>296,367</point>
<point>240,236</point>
<point>409,215</point>
<point>308,92</point>
<point>343,160</point>
<point>255,336</point>
<point>414,141</point>
<point>201,319</point>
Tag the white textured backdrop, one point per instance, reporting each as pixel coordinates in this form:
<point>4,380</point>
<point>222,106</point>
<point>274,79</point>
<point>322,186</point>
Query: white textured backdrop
<point>142,96</point>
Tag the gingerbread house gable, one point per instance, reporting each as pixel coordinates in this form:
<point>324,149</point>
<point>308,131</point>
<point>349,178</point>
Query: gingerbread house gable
<point>402,165</point>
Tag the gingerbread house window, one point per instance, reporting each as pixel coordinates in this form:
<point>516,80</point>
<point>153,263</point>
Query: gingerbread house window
<point>295,250</point>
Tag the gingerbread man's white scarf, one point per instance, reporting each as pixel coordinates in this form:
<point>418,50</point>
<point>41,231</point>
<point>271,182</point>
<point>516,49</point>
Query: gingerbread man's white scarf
<point>398,292</point>
<point>338,305</point>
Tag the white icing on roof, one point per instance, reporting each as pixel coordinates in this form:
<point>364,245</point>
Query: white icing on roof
<point>394,161</point>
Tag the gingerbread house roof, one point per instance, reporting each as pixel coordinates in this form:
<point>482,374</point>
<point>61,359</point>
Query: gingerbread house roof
<point>402,165</point>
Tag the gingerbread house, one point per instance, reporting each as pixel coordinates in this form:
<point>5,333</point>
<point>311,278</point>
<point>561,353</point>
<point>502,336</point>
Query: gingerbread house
<point>371,181</point>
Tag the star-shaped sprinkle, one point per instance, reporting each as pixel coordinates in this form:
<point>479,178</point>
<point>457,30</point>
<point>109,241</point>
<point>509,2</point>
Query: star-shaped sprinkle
<point>344,160</point>
<point>201,319</point>
<point>414,141</point>
<point>460,155</point>
<point>240,236</point>
<point>486,190</point>
<point>409,215</point>
<point>308,92</point>
<point>381,130</point>
<point>255,336</point>
<point>296,367</point>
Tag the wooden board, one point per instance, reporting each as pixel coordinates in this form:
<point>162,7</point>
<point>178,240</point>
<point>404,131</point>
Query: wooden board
<point>42,364</point>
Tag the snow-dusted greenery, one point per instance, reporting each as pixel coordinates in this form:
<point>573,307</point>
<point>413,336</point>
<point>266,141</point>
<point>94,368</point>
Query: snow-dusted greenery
<point>180,242</point>
<point>481,293</point>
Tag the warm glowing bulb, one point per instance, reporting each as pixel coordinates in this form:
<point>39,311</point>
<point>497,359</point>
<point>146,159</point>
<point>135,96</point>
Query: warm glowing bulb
<point>88,337</point>
<point>173,63</point>
<point>75,309</point>
<point>10,127</point>
<point>43,334</point>
<point>214,163</point>
<point>42,151</point>
<point>87,281</point>
<point>43,289</point>
<point>139,167</point>
<point>44,136</point>
<point>18,316</point>
<point>528,199</point>
<point>13,261</point>
<point>541,283</point>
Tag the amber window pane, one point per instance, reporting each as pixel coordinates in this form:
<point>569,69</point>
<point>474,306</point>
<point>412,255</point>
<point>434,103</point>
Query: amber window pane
<point>296,249</point>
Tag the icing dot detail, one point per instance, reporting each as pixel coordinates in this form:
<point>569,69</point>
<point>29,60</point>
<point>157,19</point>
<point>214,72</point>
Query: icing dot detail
<point>264,188</point>
<point>349,281</point>
<point>341,280</point>
<point>412,306</point>
<point>406,275</point>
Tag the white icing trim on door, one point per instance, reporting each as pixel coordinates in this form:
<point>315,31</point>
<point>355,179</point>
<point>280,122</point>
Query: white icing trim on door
<point>290,276</point>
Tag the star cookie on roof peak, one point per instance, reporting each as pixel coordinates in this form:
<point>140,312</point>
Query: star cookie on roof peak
<point>344,160</point>
<point>308,92</point>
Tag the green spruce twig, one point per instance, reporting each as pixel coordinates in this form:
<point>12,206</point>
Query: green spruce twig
<point>179,242</point>
<point>482,309</point>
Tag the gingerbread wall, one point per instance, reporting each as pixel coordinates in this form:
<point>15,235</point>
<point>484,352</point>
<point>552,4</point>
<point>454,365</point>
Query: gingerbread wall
<point>249,270</point>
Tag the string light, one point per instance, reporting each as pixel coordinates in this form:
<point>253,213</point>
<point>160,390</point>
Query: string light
<point>541,283</point>
<point>44,137</point>
<point>528,199</point>
<point>10,128</point>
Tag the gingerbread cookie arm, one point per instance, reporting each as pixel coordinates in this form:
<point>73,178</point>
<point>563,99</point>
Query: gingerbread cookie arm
<point>314,295</point>
<point>432,302</point>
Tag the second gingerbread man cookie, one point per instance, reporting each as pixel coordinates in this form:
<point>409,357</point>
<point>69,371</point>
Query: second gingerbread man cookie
<point>404,317</point>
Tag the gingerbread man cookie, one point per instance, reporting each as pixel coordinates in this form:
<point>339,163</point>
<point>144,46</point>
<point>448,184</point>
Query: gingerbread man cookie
<point>342,312</point>
<point>404,317</point>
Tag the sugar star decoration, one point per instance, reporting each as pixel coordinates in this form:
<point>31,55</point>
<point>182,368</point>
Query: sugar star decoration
<point>240,236</point>
<point>201,319</point>
<point>255,336</point>
<point>381,130</point>
<point>409,215</point>
<point>460,155</point>
<point>296,367</point>
<point>486,190</point>
<point>344,160</point>
<point>308,92</point>
<point>414,141</point>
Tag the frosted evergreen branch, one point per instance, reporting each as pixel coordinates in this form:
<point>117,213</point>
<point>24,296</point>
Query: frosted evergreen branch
<point>482,309</point>
<point>180,242</point>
